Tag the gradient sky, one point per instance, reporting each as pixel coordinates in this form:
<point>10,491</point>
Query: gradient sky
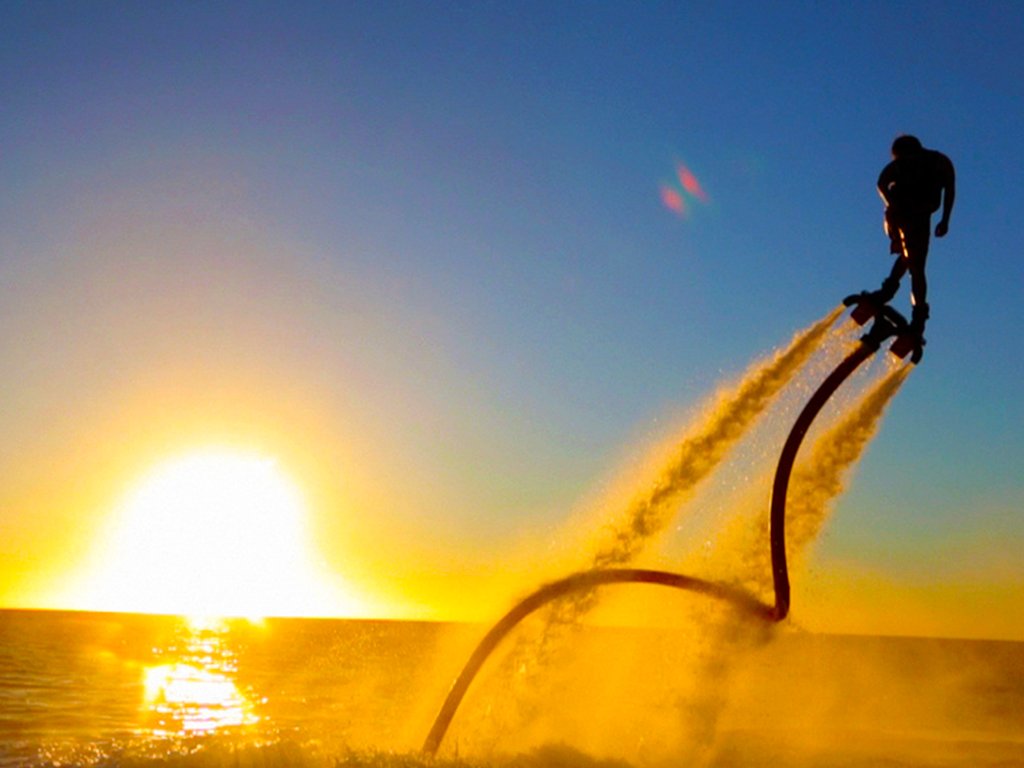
<point>419,251</point>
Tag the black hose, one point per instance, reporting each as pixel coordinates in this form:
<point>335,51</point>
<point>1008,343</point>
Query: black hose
<point>578,582</point>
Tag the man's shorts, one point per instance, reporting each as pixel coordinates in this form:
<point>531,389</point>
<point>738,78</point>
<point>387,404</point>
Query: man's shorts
<point>908,236</point>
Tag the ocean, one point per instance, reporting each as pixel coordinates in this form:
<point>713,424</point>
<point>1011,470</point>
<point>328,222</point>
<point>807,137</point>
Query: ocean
<point>88,689</point>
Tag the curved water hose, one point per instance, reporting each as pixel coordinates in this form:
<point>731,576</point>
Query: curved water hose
<point>578,582</point>
<point>784,469</point>
<point>886,324</point>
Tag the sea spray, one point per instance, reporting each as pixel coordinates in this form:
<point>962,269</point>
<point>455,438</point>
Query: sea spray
<point>704,446</point>
<point>817,480</point>
<point>821,479</point>
<point>728,640</point>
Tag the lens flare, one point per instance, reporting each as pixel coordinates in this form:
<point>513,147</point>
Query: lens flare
<point>674,196</point>
<point>690,183</point>
<point>673,200</point>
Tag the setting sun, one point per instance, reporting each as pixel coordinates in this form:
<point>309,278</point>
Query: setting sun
<point>213,533</point>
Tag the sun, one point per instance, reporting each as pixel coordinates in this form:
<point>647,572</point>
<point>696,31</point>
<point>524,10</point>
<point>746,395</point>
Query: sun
<point>213,533</point>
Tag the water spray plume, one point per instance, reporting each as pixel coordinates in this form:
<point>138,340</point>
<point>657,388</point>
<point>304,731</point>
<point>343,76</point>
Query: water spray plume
<point>697,457</point>
<point>707,444</point>
<point>816,482</point>
<point>821,478</point>
<point>702,450</point>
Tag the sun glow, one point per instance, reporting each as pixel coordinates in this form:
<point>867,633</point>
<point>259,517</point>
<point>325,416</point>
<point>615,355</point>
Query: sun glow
<point>215,533</point>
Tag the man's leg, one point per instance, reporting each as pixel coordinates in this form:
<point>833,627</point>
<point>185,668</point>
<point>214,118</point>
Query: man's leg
<point>916,243</point>
<point>919,292</point>
<point>918,285</point>
<point>891,284</point>
<point>898,246</point>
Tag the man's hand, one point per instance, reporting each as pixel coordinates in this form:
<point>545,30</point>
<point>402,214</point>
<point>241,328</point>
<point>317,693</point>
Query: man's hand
<point>941,228</point>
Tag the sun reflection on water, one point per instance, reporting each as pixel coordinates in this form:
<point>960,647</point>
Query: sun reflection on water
<point>193,691</point>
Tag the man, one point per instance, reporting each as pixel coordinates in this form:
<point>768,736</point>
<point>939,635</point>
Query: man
<point>913,186</point>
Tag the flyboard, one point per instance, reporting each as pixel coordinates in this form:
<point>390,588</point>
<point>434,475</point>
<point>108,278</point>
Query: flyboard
<point>867,305</point>
<point>886,323</point>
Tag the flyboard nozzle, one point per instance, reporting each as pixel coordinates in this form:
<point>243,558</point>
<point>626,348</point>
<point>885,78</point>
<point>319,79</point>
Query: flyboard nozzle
<point>903,346</point>
<point>865,306</point>
<point>908,344</point>
<point>863,312</point>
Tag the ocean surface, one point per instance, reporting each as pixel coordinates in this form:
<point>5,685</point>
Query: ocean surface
<point>124,690</point>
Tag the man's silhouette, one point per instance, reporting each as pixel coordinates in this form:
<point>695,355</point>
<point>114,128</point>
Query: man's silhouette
<point>913,186</point>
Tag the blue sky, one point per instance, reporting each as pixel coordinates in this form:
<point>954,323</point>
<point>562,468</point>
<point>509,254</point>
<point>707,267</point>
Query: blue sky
<point>444,223</point>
